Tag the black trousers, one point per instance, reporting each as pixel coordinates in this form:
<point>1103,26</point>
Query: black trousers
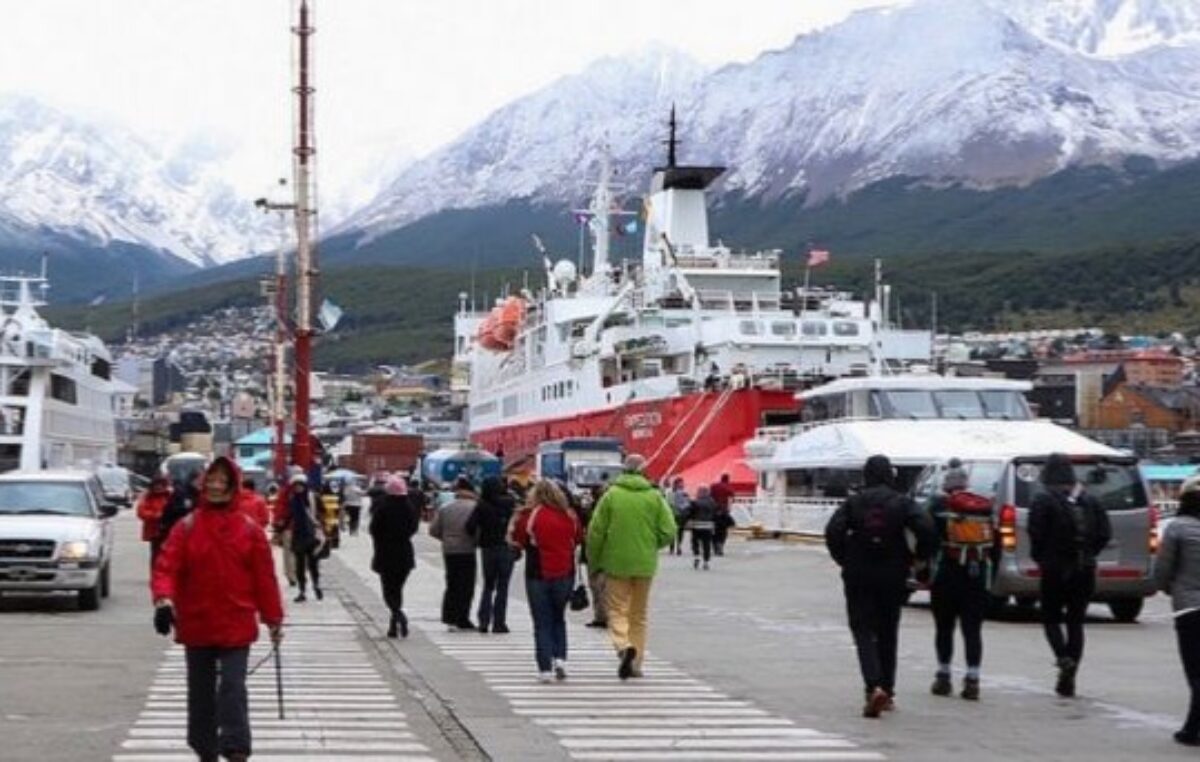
<point>1065,598</point>
<point>460,588</point>
<point>217,703</point>
<point>1187,629</point>
<point>702,539</point>
<point>958,598</point>
<point>392,583</point>
<point>353,513</point>
<point>874,613</point>
<point>308,561</point>
<point>721,533</point>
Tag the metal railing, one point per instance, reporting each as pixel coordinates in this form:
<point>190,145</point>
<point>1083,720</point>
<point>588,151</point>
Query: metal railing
<point>794,515</point>
<point>783,433</point>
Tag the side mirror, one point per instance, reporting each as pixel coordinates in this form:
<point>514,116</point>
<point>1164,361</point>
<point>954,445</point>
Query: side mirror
<point>108,510</point>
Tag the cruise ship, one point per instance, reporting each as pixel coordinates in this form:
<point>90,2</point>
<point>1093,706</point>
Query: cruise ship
<point>682,355</point>
<point>56,399</point>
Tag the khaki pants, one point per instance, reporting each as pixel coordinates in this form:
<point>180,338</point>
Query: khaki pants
<point>627,600</point>
<point>596,582</point>
<point>289,558</point>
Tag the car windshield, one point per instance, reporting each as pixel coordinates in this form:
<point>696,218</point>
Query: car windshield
<point>1116,486</point>
<point>113,479</point>
<point>50,498</point>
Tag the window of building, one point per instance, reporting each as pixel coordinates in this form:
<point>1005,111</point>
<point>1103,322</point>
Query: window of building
<point>63,389</point>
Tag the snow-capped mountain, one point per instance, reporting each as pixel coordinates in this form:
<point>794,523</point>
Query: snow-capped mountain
<point>99,185</point>
<point>982,92</point>
<point>1108,27</point>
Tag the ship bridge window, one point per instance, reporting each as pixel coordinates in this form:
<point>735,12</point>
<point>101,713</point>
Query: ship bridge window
<point>783,328</point>
<point>101,369</point>
<point>1007,405</point>
<point>845,328</point>
<point>909,404</point>
<point>63,389</point>
<point>750,328</point>
<point>814,328</point>
<point>959,404</point>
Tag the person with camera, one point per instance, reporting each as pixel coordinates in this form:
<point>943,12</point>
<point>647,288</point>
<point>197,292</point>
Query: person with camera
<point>547,530</point>
<point>213,581</point>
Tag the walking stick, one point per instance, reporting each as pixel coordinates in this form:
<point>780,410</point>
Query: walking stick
<point>278,680</point>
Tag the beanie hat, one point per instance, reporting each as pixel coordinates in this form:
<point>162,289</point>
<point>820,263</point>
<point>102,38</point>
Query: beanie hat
<point>298,479</point>
<point>1190,484</point>
<point>396,486</point>
<point>955,477</point>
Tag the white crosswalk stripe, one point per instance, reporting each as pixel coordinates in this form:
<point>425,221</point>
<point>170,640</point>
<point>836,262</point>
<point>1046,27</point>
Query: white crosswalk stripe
<point>667,715</point>
<point>336,704</point>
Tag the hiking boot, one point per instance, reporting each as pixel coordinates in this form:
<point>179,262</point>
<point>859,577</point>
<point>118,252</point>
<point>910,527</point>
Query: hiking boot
<point>500,629</point>
<point>876,701</point>
<point>317,592</point>
<point>1065,687</point>
<point>941,685</point>
<point>403,622</point>
<point>628,657</point>
<point>391,630</point>
<point>237,756</point>
<point>1186,739</point>
<point>970,689</point>
<point>483,629</point>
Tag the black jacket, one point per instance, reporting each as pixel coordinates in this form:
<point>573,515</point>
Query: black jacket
<point>1053,536</point>
<point>887,565</point>
<point>394,521</point>
<point>701,513</point>
<point>489,522</point>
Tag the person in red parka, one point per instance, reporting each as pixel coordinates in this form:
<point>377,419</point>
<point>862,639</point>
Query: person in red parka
<point>255,504</point>
<point>213,581</point>
<point>150,510</point>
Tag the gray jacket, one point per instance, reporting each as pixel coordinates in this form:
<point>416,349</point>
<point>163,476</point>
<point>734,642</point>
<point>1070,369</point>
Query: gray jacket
<point>1177,570</point>
<point>450,526</point>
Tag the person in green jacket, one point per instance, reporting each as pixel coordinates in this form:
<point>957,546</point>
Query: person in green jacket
<point>630,525</point>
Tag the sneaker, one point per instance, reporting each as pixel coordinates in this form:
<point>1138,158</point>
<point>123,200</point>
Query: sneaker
<point>970,690</point>
<point>545,677</point>
<point>628,657</point>
<point>1065,687</point>
<point>402,620</point>
<point>300,598</point>
<point>941,685</point>
<point>876,701</point>
<point>465,626</point>
<point>695,563</point>
<point>391,631</point>
<point>500,629</point>
<point>483,629</point>
<point>318,593</point>
<point>1187,739</point>
<point>636,672</point>
<point>560,669</point>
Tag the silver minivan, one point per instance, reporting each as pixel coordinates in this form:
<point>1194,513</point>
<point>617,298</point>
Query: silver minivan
<point>1125,568</point>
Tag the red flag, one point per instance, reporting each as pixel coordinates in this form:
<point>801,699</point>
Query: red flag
<point>817,257</point>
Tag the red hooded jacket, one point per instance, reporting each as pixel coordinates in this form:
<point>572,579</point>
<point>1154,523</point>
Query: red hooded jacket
<point>150,510</point>
<point>256,508</point>
<point>216,569</point>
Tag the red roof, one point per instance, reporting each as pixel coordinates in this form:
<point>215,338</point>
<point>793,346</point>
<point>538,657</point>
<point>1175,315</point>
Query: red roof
<point>732,461</point>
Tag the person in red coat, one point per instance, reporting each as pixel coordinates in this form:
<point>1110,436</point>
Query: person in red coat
<point>150,510</point>
<point>255,504</point>
<point>213,581</point>
<point>722,494</point>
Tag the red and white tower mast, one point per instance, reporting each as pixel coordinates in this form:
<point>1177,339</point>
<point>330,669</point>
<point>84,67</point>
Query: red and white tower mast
<point>304,161</point>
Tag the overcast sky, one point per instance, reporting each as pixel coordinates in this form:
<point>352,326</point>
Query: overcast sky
<point>395,77</point>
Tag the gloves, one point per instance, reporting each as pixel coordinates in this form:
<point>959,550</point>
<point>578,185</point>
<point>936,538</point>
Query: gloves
<point>164,619</point>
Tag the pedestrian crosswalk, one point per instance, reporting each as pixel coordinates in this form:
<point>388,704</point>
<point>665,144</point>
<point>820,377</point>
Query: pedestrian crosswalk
<point>336,704</point>
<point>666,715</point>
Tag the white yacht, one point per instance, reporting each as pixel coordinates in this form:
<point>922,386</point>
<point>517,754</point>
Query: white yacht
<point>56,399</point>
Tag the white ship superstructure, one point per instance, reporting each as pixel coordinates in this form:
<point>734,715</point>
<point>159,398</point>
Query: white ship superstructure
<point>56,408</point>
<point>592,354</point>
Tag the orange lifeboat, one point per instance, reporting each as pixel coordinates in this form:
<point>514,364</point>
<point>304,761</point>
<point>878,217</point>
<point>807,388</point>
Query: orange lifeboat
<point>498,330</point>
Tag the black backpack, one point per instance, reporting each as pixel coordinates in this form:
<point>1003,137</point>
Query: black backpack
<point>872,526</point>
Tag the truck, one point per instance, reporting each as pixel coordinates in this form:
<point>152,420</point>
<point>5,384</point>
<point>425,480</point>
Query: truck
<point>581,463</point>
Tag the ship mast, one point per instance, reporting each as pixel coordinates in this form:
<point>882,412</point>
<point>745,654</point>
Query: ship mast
<point>304,154</point>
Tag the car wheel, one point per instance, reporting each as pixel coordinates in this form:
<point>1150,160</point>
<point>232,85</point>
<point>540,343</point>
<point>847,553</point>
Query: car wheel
<point>89,600</point>
<point>104,582</point>
<point>1126,610</point>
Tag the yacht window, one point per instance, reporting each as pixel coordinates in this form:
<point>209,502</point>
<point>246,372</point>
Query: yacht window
<point>1007,405</point>
<point>875,406</point>
<point>814,328</point>
<point>749,328</point>
<point>959,404</point>
<point>785,328</point>
<point>910,404</point>
<point>845,328</point>
<point>62,389</point>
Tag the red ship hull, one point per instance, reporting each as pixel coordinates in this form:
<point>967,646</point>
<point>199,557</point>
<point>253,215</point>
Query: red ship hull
<point>674,434</point>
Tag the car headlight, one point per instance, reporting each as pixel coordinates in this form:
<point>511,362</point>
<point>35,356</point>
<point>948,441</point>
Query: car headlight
<point>76,550</point>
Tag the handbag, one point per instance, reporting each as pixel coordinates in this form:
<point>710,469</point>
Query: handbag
<point>579,596</point>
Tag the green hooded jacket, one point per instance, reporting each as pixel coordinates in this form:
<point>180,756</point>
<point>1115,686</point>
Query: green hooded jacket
<point>631,523</point>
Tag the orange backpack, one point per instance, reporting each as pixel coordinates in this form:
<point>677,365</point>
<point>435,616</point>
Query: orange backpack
<point>969,530</point>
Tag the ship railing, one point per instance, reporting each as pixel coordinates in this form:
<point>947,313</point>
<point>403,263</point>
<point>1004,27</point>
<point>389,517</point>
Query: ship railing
<point>787,431</point>
<point>727,262</point>
<point>806,516</point>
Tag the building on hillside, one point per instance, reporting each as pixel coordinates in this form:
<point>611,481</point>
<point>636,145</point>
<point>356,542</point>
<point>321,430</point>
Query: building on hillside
<point>1126,405</point>
<point>156,379</point>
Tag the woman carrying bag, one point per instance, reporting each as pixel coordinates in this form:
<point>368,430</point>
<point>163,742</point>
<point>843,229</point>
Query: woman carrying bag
<point>548,530</point>
<point>1177,573</point>
<point>394,521</point>
<point>308,539</point>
